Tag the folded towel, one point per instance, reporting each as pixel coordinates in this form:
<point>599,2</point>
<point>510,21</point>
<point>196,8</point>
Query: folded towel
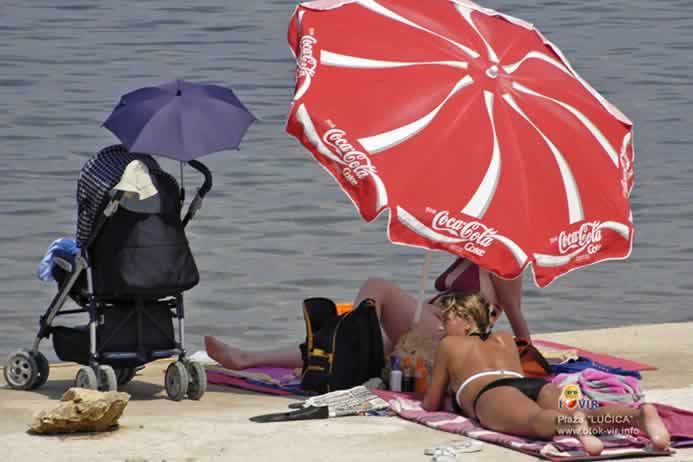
<point>605,387</point>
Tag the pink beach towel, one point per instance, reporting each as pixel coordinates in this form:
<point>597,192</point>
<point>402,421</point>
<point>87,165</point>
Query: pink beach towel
<point>280,381</point>
<point>561,448</point>
<point>679,422</point>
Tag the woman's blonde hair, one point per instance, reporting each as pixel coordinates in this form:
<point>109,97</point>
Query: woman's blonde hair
<point>473,305</point>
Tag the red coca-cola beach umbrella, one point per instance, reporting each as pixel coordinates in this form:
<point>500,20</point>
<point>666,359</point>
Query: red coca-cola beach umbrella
<point>469,126</point>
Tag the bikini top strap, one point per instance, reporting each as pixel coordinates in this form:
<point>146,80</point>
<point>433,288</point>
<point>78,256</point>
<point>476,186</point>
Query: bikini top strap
<point>483,336</point>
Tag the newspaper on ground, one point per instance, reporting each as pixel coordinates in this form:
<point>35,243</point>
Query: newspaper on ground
<point>357,400</point>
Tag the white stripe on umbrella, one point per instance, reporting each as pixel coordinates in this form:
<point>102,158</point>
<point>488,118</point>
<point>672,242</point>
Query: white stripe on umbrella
<point>518,253</point>
<point>490,12</point>
<point>381,192</point>
<point>560,260</point>
<point>510,68</point>
<point>482,198</point>
<point>307,80</point>
<point>328,58</point>
<point>573,199</point>
<point>613,110</point>
<point>378,143</point>
<point>299,21</point>
<point>381,10</point>
<point>580,116</point>
<point>467,14</point>
<point>625,143</point>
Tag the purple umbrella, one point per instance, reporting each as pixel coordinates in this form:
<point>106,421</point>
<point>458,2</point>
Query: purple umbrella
<point>180,120</point>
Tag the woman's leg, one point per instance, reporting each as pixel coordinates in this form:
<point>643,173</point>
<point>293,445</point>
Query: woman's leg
<point>507,410</point>
<point>613,417</point>
<point>237,359</point>
<point>509,298</point>
<point>396,310</point>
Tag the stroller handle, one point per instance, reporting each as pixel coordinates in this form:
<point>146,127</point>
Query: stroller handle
<point>202,168</point>
<point>201,193</point>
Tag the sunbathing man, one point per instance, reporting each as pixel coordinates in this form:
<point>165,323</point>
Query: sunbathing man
<point>483,370</point>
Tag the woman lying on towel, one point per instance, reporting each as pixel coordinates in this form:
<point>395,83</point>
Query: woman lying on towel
<point>482,369</point>
<point>395,310</point>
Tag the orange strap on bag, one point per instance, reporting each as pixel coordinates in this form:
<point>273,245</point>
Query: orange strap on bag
<point>344,308</point>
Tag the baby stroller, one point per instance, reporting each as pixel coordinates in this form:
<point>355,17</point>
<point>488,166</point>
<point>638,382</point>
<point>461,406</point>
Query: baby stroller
<point>133,265</point>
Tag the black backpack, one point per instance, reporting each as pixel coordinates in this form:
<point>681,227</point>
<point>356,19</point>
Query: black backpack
<point>341,351</point>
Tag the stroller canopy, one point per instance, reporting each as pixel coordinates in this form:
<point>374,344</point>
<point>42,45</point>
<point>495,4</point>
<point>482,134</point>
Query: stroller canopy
<point>98,177</point>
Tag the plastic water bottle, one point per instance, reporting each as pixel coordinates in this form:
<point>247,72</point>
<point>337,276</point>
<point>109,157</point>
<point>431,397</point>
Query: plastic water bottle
<point>395,375</point>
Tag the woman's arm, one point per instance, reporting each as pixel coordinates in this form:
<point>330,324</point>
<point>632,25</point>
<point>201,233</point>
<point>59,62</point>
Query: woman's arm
<point>435,392</point>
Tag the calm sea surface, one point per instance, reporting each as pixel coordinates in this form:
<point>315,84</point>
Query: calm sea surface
<point>277,229</point>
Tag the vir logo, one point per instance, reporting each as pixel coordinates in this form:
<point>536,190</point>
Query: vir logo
<point>571,398</point>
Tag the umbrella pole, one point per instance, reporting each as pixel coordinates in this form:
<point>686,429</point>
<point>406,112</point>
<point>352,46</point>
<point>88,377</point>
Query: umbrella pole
<point>422,286</point>
<point>182,185</point>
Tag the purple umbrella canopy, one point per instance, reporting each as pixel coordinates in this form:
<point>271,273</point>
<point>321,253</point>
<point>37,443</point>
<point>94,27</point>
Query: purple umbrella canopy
<point>180,120</point>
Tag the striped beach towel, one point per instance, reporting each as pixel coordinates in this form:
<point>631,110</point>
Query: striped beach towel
<point>561,448</point>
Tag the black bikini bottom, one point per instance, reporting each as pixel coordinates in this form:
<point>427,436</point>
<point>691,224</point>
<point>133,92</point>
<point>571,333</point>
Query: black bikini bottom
<point>530,386</point>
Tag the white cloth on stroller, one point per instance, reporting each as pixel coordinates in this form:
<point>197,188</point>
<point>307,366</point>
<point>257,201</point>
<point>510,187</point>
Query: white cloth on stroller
<point>137,181</point>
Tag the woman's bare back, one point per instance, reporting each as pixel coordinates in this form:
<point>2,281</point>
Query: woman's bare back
<point>466,356</point>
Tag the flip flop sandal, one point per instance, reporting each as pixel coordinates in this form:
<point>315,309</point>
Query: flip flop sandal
<point>444,455</point>
<point>456,446</point>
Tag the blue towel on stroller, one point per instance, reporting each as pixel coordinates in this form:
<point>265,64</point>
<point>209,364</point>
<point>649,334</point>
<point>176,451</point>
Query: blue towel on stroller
<point>64,247</point>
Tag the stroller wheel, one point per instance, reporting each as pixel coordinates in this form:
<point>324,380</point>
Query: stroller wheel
<point>125,374</point>
<point>43,368</point>
<point>176,381</point>
<point>21,370</point>
<point>198,380</point>
<point>86,378</point>
<point>107,378</point>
